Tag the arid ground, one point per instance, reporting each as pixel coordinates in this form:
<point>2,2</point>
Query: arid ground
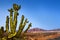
<point>43,35</point>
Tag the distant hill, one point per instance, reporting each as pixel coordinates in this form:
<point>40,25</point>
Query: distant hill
<point>55,30</point>
<point>38,29</point>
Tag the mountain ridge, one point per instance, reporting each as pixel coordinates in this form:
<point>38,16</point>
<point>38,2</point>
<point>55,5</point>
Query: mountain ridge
<point>39,29</point>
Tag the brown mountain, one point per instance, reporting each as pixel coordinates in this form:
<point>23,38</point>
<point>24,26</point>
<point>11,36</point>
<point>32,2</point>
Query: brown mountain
<point>38,29</point>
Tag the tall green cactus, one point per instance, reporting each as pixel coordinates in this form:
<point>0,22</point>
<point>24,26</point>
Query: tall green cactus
<point>11,21</point>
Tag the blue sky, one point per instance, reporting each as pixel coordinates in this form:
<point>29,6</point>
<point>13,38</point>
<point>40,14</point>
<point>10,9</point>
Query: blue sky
<point>43,14</point>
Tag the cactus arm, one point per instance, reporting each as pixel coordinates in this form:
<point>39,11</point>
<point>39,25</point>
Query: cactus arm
<point>28,27</point>
<point>2,29</point>
<point>7,24</point>
<point>15,20</point>
<point>22,19</point>
<point>23,25</point>
<point>11,20</point>
<point>25,22</point>
<point>20,26</point>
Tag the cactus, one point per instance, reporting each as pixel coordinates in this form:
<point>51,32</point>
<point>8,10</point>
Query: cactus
<point>12,34</point>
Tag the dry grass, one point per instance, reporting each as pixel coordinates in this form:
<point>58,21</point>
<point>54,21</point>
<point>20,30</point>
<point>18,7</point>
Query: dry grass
<point>43,36</point>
